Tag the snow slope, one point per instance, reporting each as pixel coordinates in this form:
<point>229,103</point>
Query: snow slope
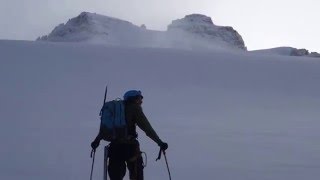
<point>225,115</point>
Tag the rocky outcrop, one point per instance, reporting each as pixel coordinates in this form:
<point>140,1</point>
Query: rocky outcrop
<point>314,54</point>
<point>303,52</point>
<point>288,51</point>
<point>299,52</point>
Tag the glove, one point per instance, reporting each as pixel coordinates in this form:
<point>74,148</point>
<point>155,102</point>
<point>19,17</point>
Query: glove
<point>163,146</point>
<point>95,144</point>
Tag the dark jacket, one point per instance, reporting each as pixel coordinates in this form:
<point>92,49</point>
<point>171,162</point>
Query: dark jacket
<point>135,116</point>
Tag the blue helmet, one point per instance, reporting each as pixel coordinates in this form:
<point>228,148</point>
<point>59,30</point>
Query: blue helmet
<point>132,94</point>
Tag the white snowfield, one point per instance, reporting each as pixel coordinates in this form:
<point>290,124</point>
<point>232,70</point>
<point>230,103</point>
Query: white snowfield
<point>226,115</point>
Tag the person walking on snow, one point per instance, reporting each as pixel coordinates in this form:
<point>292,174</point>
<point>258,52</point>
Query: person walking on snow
<point>126,153</point>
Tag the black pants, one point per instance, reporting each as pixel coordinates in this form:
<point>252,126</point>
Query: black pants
<point>122,156</point>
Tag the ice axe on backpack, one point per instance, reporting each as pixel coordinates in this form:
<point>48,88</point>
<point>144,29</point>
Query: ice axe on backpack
<point>165,157</point>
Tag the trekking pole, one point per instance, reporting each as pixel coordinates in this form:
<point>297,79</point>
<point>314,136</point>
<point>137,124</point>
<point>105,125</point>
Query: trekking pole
<point>92,156</point>
<point>165,157</point>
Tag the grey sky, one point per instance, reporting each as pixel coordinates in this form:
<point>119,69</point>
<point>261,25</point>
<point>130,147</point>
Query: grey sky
<point>262,24</point>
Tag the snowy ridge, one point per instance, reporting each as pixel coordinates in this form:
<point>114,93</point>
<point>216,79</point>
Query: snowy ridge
<point>202,26</point>
<point>90,26</point>
<point>193,32</point>
<point>94,28</point>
